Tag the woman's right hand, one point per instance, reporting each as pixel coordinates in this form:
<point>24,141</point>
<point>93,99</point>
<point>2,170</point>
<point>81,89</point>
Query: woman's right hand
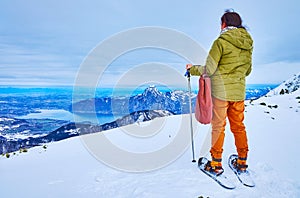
<point>188,66</point>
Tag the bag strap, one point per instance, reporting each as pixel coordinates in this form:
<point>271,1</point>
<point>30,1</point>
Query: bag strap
<point>205,72</point>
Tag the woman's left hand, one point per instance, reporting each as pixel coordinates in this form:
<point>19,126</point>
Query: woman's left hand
<point>188,66</point>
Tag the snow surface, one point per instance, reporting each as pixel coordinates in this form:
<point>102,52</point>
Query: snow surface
<point>68,169</point>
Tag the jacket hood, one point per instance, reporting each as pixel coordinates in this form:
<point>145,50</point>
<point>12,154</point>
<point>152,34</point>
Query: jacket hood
<point>238,37</point>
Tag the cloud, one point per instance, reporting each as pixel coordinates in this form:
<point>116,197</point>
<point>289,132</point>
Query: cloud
<point>19,65</point>
<point>45,41</point>
<point>273,73</point>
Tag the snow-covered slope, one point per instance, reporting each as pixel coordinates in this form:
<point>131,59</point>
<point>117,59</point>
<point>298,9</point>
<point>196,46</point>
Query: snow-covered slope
<point>288,86</point>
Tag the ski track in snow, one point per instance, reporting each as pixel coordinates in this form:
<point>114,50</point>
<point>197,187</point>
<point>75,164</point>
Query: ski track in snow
<point>67,169</point>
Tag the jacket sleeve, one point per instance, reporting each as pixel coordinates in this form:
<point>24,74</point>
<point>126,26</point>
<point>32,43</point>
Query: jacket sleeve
<point>214,57</point>
<point>197,70</point>
<point>212,61</point>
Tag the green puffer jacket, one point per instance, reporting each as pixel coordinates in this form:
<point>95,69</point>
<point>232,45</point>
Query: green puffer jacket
<point>228,63</point>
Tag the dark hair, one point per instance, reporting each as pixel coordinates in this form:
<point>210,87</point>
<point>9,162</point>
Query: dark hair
<point>231,18</point>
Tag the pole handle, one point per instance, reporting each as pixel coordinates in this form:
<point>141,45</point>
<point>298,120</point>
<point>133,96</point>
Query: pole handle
<point>187,73</point>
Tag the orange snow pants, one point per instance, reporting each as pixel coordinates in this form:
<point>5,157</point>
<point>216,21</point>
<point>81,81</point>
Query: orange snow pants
<point>234,111</point>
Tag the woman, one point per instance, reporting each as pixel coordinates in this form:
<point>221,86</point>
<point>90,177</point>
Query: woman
<point>228,64</point>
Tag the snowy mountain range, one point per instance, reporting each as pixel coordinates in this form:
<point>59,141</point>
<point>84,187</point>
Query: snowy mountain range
<point>15,134</point>
<point>25,133</point>
<point>151,99</point>
<point>176,102</point>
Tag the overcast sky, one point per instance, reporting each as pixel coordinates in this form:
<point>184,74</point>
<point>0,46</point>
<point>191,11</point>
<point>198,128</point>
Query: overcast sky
<point>45,42</point>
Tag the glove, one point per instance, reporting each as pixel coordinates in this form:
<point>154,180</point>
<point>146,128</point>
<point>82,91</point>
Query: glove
<point>188,66</point>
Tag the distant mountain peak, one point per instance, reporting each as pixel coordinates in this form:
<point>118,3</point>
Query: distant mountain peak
<point>288,86</point>
<point>152,90</point>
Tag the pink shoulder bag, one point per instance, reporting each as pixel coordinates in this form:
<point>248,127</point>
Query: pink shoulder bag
<point>203,109</point>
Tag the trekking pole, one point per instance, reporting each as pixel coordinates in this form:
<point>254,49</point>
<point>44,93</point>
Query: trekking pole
<point>191,117</point>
